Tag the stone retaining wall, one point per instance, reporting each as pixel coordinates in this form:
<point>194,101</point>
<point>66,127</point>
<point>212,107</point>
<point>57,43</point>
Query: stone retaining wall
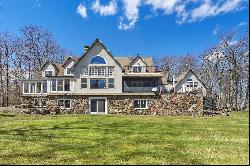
<point>172,104</point>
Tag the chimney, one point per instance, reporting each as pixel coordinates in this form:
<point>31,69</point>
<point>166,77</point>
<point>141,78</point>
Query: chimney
<point>85,49</point>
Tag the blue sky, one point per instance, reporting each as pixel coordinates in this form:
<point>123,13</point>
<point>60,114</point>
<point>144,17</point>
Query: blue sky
<point>127,27</point>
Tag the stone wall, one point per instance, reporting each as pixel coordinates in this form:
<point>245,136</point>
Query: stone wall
<point>171,104</point>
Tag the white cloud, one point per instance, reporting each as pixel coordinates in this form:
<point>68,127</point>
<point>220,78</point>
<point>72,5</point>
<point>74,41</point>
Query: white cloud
<point>105,10</point>
<point>185,11</point>
<point>216,29</point>
<point>131,14</point>
<point>166,5</point>
<point>208,9</point>
<point>81,9</point>
<point>242,24</point>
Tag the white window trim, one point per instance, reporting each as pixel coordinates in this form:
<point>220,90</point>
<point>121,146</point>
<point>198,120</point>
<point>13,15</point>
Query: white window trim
<point>147,100</point>
<point>64,103</point>
<point>98,64</point>
<point>106,105</point>
<point>28,88</point>
<point>34,87</point>
<point>84,83</point>
<point>66,73</point>
<point>47,70</point>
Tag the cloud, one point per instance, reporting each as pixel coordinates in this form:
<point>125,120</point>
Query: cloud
<point>131,14</point>
<point>242,24</point>
<point>216,29</point>
<point>81,9</point>
<point>105,10</point>
<point>185,11</point>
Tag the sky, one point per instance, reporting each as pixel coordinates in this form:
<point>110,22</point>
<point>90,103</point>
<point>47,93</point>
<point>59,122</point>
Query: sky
<point>129,27</point>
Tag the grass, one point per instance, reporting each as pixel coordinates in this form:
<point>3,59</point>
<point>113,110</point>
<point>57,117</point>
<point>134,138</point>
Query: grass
<point>93,139</point>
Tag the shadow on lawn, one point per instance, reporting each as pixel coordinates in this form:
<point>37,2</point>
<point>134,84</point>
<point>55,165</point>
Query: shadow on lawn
<point>7,115</point>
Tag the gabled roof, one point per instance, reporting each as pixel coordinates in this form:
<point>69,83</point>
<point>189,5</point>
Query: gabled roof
<point>136,58</point>
<point>180,77</point>
<point>68,58</point>
<point>51,64</point>
<point>98,41</point>
<point>126,61</point>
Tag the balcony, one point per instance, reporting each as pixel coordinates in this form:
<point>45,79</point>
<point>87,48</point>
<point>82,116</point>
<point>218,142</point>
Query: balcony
<point>141,69</point>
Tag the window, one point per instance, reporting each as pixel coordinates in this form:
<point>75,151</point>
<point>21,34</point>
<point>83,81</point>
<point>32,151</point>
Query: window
<point>111,83</point>
<point>85,70</point>
<point>45,87</point>
<point>97,60</point>
<point>141,104</point>
<point>190,79</point>
<point>60,85</point>
<point>64,103</point>
<point>98,71</point>
<point>94,71</point>
<point>68,70</point>
<point>53,87</point>
<point>67,85</point>
<point>32,87</point>
<point>110,71</point>
<point>40,102</point>
<point>137,69</point>
<point>26,88</point>
<point>102,71</point>
<point>83,83</point>
<point>48,73</point>
<point>38,87</point>
<point>97,83</point>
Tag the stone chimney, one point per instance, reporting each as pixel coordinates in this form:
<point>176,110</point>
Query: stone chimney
<point>85,49</point>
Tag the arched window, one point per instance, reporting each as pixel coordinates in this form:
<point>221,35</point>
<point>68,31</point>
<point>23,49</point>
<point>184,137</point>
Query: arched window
<point>97,60</point>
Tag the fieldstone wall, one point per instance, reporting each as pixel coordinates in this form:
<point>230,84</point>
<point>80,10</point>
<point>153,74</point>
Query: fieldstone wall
<point>178,104</point>
<point>171,104</point>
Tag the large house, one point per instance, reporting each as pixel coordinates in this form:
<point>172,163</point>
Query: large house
<point>102,83</point>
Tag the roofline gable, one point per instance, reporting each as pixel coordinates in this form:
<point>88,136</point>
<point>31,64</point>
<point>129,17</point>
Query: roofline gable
<point>68,58</point>
<point>109,53</point>
<point>190,70</point>
<point>137,58</point>
<point>51,64</point>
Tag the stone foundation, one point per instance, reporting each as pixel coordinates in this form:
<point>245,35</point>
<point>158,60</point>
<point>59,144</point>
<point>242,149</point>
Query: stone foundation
<point>172,104</point>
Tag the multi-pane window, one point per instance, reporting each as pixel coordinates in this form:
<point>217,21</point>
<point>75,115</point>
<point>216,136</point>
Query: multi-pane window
<point>53,86</point>
<point>26,88</point>
<point>60,85</point>
<point>97,83</point>
<point>32,87</point>
<point>40,102</point>
<point>45,87</point>
<point>192,84</point>
<point>67,85</point>
<point>83,83</point>
<point>140,104</point>
<point>137,69</point>
<point>38,87</point>
<point>94,71</point>
<point>48,73</point>
<point>102,71</point>
<point>111,83</point>
<point>64,103</point>
<point>110,71</point>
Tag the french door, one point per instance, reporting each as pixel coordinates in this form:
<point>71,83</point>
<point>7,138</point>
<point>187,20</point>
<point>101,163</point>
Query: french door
<point>97,105</point>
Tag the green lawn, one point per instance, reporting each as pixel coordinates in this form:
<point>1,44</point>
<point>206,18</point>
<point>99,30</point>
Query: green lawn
<point>116,139</point>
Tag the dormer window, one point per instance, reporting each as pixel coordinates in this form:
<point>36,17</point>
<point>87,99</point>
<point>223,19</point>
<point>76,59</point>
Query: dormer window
<point>137,69</point>
<point>48,73</point>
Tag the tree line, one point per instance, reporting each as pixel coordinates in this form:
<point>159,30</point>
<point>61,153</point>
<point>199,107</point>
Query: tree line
<point>22,56</point>
<point>224,68</point>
